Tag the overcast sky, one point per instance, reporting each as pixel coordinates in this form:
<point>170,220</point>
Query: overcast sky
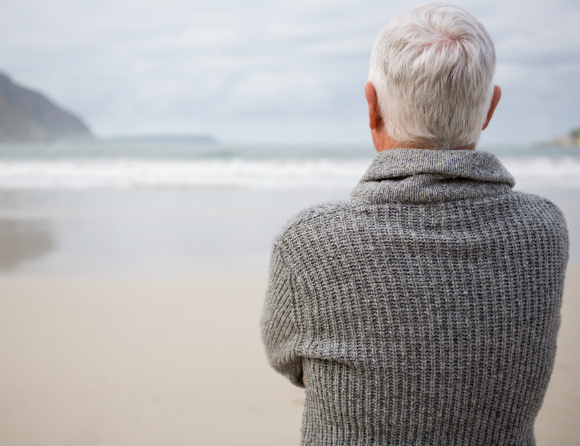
<point>257,71</point>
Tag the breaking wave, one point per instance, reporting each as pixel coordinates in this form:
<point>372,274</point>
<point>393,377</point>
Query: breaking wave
<point>530,172</point>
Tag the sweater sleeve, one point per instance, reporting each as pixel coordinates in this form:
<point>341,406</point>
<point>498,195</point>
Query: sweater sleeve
<point>280,332</point>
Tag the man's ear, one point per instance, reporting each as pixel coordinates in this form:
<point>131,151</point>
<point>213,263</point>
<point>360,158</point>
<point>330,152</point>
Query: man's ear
<point>374,109</point>
<point>494,102</point>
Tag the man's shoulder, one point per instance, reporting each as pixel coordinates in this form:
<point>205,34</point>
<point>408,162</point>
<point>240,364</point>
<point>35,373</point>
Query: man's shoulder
<point>526,213</point>
<point>538,203</point>
<point>311,215</point>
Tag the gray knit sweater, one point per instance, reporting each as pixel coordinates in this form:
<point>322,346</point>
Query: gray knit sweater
<point>425,310</point>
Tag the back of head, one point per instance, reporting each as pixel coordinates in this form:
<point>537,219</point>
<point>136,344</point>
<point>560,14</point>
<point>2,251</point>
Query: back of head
<point>432,68</point>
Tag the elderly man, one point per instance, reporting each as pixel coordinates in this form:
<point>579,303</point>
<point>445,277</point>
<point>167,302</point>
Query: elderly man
<point>425,310</point>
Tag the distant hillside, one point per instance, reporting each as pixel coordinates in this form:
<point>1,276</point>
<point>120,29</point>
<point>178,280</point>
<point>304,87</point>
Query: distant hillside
<point>28,116</point>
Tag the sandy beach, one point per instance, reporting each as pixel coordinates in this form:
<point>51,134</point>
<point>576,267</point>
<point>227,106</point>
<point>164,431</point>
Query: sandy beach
<point>120,362</point>
<point>139,362</point>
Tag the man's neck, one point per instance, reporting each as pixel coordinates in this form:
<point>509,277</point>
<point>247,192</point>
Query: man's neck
<point>389,143</point>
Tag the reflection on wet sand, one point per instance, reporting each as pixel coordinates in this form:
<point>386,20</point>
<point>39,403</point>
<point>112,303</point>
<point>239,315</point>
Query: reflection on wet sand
<point>22,240</point>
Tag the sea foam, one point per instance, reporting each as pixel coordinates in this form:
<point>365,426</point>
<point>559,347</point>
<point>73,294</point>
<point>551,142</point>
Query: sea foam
<point>530,172</point>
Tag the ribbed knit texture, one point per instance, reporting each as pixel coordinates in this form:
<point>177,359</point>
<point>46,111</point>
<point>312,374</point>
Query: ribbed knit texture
<point>425,310</point>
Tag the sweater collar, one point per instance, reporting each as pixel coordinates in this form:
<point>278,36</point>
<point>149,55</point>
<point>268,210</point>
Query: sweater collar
<point>429,176</point>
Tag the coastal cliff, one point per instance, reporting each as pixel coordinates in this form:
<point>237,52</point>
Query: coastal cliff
<point>29,116</point>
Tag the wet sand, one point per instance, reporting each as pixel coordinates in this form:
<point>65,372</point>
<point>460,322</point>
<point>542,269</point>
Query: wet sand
<point>121,362</point>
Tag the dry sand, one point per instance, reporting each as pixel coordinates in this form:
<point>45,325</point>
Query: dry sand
<point>123,362</point>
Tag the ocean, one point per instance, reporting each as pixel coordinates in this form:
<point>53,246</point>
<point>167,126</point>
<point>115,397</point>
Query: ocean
<point>186,209</point>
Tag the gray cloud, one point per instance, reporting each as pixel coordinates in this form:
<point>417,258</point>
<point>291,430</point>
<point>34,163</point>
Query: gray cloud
<point>269,71</point>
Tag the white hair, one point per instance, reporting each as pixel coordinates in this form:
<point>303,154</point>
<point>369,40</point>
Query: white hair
<point>432,68</point>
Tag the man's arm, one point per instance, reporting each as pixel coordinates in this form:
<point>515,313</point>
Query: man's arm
<point>280,330</point>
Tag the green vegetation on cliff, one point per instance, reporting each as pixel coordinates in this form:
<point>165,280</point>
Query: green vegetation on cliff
<point>28,116</point>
